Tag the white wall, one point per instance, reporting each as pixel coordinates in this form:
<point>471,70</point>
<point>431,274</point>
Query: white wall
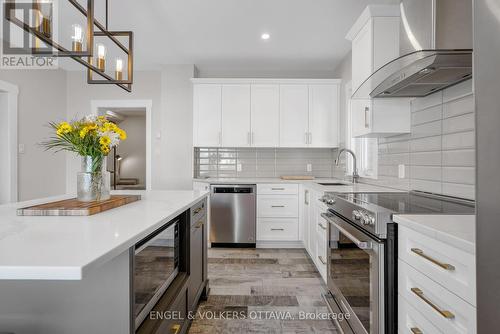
<point>170,91</point>
<point>42,98</point>
<point>133,150</point>
<point>177,126</point>
<point>147,86</point>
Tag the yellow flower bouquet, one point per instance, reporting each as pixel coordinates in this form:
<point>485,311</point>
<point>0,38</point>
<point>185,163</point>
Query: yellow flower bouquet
<point>92,138</point>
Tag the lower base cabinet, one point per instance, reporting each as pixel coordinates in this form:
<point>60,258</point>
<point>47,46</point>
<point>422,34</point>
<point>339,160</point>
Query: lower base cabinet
<point>197,260</point>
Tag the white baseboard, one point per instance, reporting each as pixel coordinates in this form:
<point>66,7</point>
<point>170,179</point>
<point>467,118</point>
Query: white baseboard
<point>279,244</point>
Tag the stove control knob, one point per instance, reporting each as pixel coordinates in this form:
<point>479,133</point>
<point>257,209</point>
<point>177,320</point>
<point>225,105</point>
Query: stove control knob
<point>330,201</point>
<point>356,215</point>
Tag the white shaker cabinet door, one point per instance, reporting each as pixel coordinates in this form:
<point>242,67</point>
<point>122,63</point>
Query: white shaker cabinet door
<point>236,115</point>
<point>265,115</point>
<point>294,118</point>
<point>323,115</point>
<point>362,55</point>
<point>207,115</point>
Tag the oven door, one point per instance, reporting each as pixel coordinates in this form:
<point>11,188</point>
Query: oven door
<point>355,274</point>
<point>156,264</point>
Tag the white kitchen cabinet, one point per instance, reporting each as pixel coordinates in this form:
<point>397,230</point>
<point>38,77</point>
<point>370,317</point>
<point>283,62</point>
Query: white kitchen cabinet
<point>277,213</point>
<point>266,112</point>
<point>265,115</point>
<point>380,117</point>
<point>375,42</point>
<point>236,115</point>
<point>207,104</point>
<point>294,115</point>
<point>362,55</point>
<point>323,115</point>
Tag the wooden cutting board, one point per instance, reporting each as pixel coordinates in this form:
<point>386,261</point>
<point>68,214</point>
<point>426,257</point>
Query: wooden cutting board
<point>297,177</point>
<point>73,207</point>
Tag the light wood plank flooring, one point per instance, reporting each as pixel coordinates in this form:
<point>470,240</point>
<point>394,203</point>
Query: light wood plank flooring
<point>250,289</point>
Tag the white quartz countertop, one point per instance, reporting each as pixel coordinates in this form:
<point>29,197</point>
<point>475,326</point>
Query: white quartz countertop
<point>65,248</point>
<point>315,184</point>
<point>456,230</point>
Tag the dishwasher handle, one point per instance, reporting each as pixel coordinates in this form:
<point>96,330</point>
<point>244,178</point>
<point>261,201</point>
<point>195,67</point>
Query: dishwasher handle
<point>233,189</point>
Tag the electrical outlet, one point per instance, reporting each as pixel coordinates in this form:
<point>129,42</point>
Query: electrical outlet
<point>238,167</point>
<point>21,149</point>
<point>309,167</point>
<point>401,171</point>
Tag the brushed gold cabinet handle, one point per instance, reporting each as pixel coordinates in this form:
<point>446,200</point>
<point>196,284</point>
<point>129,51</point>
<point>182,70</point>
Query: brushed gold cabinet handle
<point>321,259</point>
<point>444,313</point>
<point>199,224</point>
<point>416,330</point>
<point>197,211</point>
<point>421,253</point>
<point>175,329</point>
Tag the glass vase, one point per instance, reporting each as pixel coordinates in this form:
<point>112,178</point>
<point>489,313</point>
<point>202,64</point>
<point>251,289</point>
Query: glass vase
<point>93,182</point>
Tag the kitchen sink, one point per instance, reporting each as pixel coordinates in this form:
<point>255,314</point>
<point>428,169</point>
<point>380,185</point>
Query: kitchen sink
<point>334,184</point>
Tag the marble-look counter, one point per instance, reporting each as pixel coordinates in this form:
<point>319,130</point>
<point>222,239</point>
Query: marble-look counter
<point>66,248</point>
<point>347,187</point>
<point>456,230</point>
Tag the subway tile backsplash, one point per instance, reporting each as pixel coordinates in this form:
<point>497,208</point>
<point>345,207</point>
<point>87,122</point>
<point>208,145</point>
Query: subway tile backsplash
<point>440,151</point>
<point>263,162</point>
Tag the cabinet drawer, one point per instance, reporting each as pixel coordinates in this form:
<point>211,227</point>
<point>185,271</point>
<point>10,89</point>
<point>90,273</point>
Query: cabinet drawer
<point>277,229</point>
<point>277,206</point>
<point>429,256</point>
<point>413,322</point>
<point>277,189</point>
<point>442,308</point>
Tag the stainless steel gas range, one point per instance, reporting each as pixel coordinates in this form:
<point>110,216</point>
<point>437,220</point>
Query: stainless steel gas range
<point>363,251</point>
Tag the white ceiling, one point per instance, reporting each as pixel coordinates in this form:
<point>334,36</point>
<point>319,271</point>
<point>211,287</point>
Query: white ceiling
<point>224,35</point>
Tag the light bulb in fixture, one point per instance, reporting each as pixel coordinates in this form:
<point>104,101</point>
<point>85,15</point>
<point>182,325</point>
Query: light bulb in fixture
<point>119,69</point>
<point>265,36</point>
<point>101,56</point>
<point>77,37</point>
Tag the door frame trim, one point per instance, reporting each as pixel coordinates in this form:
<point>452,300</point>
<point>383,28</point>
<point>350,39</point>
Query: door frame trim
<point>12,115</point>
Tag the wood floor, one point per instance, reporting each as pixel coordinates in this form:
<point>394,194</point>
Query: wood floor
<point>262,291</point>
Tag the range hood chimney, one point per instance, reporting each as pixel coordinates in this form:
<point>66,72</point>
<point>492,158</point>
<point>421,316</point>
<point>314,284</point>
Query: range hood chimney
<point>435,48</point>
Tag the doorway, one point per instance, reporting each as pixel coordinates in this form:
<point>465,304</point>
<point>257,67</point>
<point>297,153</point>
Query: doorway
<point>127,161</point>
<point>8,142</point>
<point>130,162</point>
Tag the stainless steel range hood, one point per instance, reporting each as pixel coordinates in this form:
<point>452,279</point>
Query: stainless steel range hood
<point>435,44</point>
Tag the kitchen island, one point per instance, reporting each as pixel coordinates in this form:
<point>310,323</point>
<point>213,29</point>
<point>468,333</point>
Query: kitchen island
<point>74,274</point>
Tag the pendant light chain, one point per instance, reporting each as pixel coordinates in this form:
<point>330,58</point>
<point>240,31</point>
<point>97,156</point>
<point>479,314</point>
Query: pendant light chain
<point>107,15</point>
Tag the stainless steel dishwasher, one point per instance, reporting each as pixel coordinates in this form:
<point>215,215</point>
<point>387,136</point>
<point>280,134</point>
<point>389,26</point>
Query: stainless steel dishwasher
<point>232,215</point>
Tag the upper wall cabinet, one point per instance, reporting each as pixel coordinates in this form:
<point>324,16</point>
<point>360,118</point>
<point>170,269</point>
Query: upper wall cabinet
<point>207,115</point>
<point>324,115</point>
<point>294,116</point>
<point>236,116</point>
<point>266,112</point>
<point>375,42</point>
<point>265,115</point>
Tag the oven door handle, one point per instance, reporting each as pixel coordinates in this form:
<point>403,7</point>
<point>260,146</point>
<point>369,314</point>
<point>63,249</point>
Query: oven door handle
<point>360,244</point>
